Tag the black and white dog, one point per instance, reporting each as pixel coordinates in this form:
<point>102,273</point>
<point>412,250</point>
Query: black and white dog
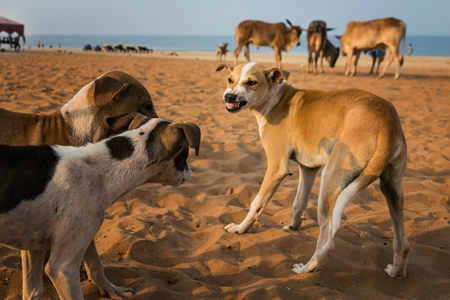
<point>55,197</point>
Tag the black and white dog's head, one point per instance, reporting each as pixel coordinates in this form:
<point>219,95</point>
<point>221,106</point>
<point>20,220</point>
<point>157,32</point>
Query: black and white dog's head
<point>166,148</point>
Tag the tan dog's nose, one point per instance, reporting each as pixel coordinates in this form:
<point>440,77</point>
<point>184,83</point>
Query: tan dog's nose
<point>230,98</point>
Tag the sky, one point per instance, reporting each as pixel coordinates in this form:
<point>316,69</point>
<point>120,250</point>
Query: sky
<point>212,17</point>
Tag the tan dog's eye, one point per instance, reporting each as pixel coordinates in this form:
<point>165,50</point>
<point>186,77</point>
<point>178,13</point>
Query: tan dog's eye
<point>230,81</point>
<point>251,82</point>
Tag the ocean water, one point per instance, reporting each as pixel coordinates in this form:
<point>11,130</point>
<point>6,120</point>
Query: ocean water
<point>422,45</point>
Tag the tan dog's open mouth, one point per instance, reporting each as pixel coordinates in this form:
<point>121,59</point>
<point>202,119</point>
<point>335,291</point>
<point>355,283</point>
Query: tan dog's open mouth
<point>232,104</point>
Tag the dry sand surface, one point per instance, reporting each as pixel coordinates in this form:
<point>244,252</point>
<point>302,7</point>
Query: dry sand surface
<point>169,242</point>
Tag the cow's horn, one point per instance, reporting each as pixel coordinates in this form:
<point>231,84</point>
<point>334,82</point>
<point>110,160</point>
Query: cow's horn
<point>328,29</point>
<point>289,22</point>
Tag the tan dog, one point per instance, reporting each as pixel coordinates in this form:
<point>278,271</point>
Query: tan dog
<point>112,103</point>
<point>354,135</point>
<point>222,51</point>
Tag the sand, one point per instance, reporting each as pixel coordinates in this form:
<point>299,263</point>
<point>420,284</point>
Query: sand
<point>169,242</point>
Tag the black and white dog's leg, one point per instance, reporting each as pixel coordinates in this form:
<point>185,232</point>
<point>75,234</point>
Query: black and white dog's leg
<point>95,270</point>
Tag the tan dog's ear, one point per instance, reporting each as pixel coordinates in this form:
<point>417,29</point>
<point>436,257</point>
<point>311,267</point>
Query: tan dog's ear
<point>192,133</point>
<point>127,122</point>
<point>276,75</point>
<point>225,65</point>
<point>105,89</point>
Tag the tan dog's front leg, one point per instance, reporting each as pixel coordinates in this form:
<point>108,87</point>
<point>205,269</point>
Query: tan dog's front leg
<point>32,271</point>
<point>274,175</point>
<point>307,178</point>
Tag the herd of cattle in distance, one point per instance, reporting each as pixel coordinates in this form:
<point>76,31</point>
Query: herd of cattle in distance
<point>377,36</point>
<point>118,48</point>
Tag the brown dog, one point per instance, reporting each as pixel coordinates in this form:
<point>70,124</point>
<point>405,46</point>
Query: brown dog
<point>111,104</point>
<point>354,135</point>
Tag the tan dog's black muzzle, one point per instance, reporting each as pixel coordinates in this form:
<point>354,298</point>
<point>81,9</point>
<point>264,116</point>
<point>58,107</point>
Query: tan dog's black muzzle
<point>230,98</point>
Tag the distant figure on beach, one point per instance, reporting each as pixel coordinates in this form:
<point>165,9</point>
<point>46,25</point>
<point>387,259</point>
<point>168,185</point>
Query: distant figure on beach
<point>222,50</point>
<point>410,49</point>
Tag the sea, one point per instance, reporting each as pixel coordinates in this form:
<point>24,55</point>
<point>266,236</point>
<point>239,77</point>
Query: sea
<point>423,45</point>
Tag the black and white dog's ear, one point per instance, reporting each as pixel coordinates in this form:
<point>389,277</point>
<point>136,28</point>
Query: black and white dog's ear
<point>192,134</point>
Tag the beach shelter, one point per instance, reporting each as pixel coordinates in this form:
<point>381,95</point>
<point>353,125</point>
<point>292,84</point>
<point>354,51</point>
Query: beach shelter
<point>10,27</point>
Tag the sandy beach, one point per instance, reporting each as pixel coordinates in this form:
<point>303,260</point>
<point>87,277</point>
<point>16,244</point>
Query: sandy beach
<point>169,242</point>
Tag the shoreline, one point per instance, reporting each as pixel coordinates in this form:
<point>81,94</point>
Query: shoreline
<point>435,62</point>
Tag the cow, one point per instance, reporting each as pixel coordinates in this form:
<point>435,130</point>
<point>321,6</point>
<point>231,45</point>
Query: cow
<point>275,35</point>
<point>316,38</point>
<point>362,36</point>
<point>130,48</point>
<point>330,53</point>
<point>119,48</point>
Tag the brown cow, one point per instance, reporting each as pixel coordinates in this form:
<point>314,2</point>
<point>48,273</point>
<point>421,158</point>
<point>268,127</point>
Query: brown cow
<point>316,38</point>
<point>275,35</point>
<point>363,36</point>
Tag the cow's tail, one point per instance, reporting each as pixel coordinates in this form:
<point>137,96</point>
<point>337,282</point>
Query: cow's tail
<point>403,38</point>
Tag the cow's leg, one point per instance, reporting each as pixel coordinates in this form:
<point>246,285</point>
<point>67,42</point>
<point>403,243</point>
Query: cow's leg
<point>378,65</point>
<point>321,61</point>
<point>316,57</point>
<point>348,63</point>
<point>355,62</point>
<point>237,50</point>
<point>374,60</point>
<point>247,52</point>
<point>310,61</point>
<point>399,63</point>
<point>278,57</point>
<point>389,58</point>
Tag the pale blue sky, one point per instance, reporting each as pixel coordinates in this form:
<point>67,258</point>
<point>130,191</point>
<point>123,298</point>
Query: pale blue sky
<point>212,17</point>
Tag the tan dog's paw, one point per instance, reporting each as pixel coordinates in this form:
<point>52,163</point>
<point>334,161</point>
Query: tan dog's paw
<point>288,228</point>
<point>299,268</point>
<point>232,228</point>
<point>395,272</point>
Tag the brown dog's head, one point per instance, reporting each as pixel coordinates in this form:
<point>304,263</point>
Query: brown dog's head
<point>250,85</point>
<point>111,104</point>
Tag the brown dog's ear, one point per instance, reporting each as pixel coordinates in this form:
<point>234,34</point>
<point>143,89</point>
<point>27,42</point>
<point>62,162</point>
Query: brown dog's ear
<point>105,89</point>
<point>225,65</point>
<point>276,75</point>
<point>127,122</point>
<point>137,121</point>
<point>192,133</point>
